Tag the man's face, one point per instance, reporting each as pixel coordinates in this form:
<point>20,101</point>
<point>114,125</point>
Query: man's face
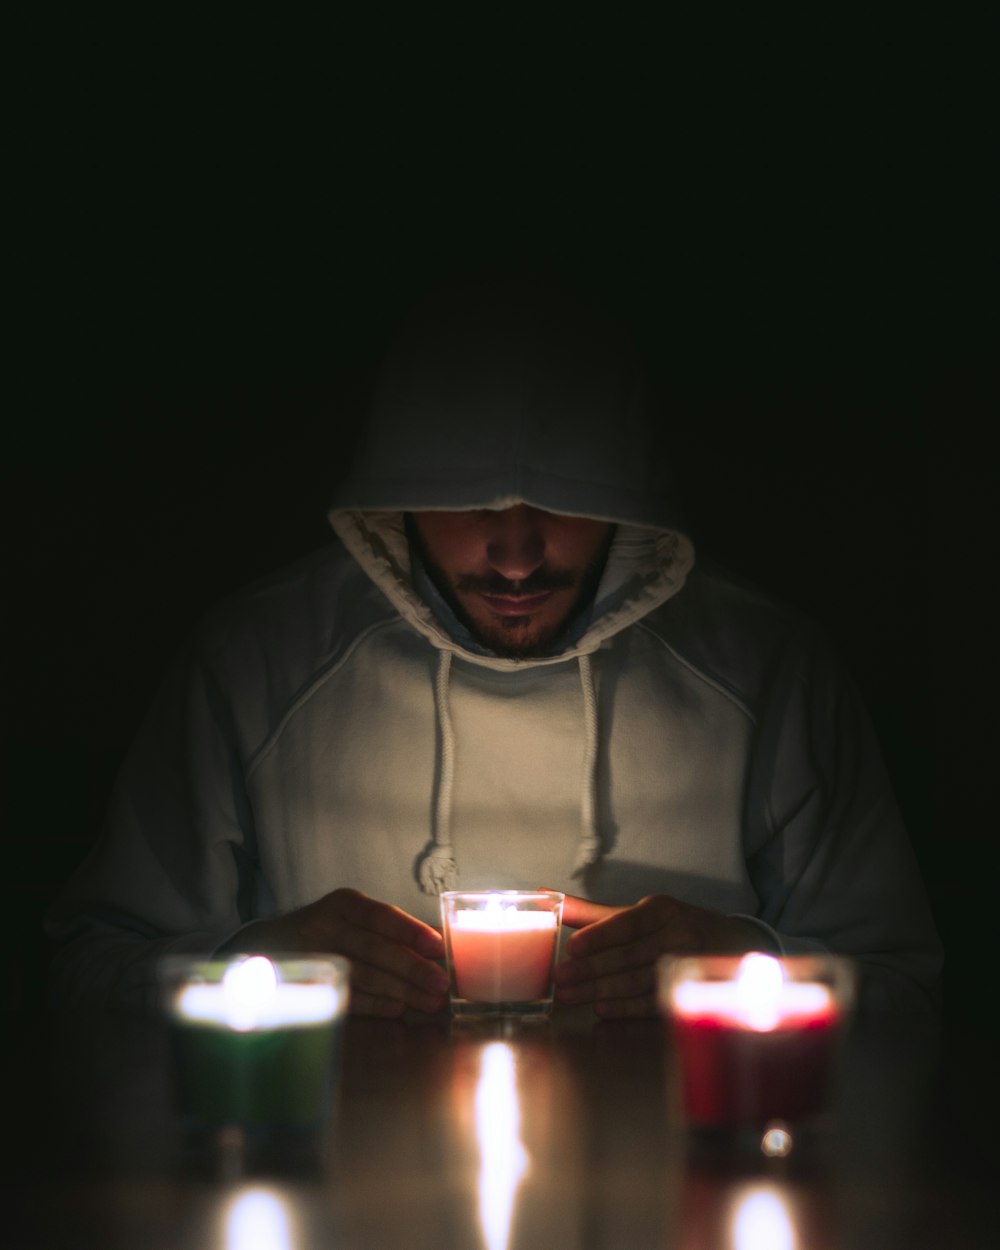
<point>514,577</point>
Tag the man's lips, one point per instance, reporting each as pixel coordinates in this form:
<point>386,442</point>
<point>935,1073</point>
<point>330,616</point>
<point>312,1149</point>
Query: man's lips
<point>516,605</point>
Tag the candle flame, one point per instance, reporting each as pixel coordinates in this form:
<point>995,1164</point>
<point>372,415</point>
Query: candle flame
<point>759,983</point>
<point>498,916</point>
<point>247,988</point>
<point>496,908</point>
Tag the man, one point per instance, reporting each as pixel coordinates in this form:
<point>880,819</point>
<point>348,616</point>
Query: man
<point>506,673</point>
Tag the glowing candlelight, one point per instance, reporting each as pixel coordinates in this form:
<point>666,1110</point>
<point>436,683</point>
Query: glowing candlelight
<point>755,1037</point>
<point>501,948</point>
<point>503,1158</point>
<point>251,995</point>
<point>259,1219</point>
<point>255,1042</point>
<point>762,1218</point>
<point>759,998</point>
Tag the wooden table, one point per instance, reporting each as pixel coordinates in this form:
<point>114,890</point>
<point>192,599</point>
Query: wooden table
<point>585,1150</point>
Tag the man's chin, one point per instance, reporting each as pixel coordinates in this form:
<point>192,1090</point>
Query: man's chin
<point>515,637</point>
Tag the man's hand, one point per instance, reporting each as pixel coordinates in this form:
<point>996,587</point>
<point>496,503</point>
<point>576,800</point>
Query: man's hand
<point>612,959</point>
<point>392,953</point>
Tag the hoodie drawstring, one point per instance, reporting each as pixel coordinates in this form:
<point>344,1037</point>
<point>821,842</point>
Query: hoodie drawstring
<point>437,871</point>
<point>590,842</point>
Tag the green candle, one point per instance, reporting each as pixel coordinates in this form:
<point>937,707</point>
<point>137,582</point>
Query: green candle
<point>256,1043</point>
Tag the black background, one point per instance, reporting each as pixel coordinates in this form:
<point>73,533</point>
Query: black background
<point>216,242</point>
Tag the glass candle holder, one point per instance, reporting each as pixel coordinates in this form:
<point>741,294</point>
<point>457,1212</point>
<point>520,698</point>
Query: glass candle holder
<point>255,1043</point>
<point>755,1039</point>
<point>501,949</point>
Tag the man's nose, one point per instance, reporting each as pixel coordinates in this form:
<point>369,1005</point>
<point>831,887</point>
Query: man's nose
<point>516,543</point>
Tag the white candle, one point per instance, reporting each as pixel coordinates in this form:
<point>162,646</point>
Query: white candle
<point>503,953</point>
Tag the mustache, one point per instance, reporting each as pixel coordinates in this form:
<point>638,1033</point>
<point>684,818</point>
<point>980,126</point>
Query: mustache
<point>536,583</point>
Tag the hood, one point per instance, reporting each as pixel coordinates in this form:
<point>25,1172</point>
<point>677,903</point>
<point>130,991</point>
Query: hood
<point>495,395</point>
<point>515,391</point>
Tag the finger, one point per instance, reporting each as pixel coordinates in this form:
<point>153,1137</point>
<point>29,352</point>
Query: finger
<point>404,966</point>
<point>370,983</point>
<point>385,919</point>
<point>631,924</point>
<point>578,912</point>
<point>635,982</point>
<point>363,1004</point>
<point>610,962</point>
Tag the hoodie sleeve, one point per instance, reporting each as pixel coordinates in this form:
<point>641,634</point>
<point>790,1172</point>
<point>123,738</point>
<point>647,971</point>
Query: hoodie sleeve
<point>173,871</point>
<point>828,854</point>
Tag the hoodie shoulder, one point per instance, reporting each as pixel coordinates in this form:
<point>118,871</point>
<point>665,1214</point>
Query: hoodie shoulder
<point>289,627</point>
<point>737,635</point>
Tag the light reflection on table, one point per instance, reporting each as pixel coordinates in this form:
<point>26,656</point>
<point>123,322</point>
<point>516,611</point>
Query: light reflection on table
<point>761,1220</point>
<point>259,1219</point>
<point>558,1135</point>
<point>503,1160</point>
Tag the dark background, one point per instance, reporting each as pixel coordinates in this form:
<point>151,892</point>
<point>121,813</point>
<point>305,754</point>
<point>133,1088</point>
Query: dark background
<point>216,244</point>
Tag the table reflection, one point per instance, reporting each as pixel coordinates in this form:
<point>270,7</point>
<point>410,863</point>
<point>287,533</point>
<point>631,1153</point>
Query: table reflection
<point>503,1158</point>
<point>761,1220</point>
<point>515,1117</point>
<point>561,1135</point>
<point>722,1209</point>
<point>259,1219</point>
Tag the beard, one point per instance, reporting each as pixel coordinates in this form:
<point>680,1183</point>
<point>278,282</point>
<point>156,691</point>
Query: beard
<point>516,637</point>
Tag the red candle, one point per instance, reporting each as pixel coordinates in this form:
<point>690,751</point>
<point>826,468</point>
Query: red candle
<point>755,1046</point>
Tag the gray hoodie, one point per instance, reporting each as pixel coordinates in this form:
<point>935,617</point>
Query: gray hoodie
<point>334,725</point>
